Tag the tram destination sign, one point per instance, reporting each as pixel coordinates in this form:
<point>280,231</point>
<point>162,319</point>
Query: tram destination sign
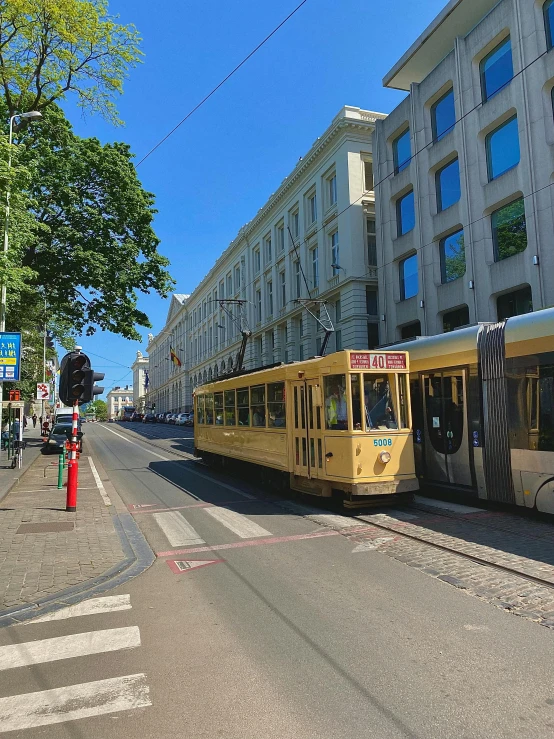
<point>377,361</point>
<point>10,356</point>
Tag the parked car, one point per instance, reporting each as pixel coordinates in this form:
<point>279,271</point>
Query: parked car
<point>190,420</point>
<point>172,418</point>
<point>137,417</point>
<point>181,418</point>
<point>167,416</point>
<point>57,438</point>
<point>160,418</point>
<point>149,418</point>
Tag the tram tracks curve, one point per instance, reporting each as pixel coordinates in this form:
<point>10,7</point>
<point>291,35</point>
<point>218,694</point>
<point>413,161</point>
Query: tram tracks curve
<point>397,530</point>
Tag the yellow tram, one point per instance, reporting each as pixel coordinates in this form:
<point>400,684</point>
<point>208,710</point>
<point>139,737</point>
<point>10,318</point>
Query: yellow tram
<point>335,424</point>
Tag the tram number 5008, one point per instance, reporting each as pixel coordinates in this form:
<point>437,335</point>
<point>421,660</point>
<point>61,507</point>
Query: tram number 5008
<point>382,442</point>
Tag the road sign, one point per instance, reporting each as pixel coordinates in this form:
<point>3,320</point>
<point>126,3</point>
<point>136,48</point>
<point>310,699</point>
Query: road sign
<point>10,356</point>
<point>43,391</point>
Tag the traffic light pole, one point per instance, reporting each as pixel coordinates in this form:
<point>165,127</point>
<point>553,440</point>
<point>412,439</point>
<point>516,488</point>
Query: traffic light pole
<point>73,465</point>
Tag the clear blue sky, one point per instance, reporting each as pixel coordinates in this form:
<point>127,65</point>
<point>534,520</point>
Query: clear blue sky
<point>220,167</point>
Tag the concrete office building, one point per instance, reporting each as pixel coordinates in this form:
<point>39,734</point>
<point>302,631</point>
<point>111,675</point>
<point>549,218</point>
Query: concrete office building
<point>464,167</point>
<point>314,238</point>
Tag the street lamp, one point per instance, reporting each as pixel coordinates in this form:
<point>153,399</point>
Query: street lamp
<point>32,115</point>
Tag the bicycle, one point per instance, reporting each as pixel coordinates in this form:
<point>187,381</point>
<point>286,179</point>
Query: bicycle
<point>17,458</point>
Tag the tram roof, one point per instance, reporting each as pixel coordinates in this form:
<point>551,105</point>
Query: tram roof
<point>460,346</point>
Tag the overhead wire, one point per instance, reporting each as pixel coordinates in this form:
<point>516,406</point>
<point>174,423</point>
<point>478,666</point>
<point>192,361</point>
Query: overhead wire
<point>223,81</point>
<point>304,241</point>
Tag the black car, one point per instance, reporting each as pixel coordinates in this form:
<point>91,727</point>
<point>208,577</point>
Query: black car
<point>149,418</point>
<point>57,438</point>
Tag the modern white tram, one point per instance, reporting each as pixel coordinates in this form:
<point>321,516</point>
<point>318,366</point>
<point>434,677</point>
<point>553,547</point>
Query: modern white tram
<point>483,410</point>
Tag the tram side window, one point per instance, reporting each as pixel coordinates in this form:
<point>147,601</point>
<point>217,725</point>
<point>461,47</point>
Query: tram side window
<point>200,409</point>
<point>209,404</point>
<point>379,403</point>
<point>218,408</point>
<point>530,389</point>
<point>230,411</point>
<point>243,406</point>
<point>356,402</point>
<point>336,409</point>
<point>257,405</point>
<point>403,410</point>
<point>276,405</point>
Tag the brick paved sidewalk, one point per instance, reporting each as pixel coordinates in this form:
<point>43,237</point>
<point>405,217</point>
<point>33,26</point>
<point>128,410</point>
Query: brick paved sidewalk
<point>38,556</point>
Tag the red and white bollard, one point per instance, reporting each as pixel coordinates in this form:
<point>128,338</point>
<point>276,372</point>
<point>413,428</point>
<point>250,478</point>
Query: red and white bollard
<point>73,465</point>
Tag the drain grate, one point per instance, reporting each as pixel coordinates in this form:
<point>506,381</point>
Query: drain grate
<point>45,528</point>
<point>183,565</point>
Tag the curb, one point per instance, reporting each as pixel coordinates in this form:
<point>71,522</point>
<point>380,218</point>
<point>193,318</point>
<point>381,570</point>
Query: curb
<point>138,558</point>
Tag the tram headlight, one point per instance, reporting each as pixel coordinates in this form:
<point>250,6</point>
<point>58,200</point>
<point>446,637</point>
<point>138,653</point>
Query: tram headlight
<point>384,457</point>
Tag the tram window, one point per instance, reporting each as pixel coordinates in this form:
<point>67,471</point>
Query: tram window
<point>336,409</point>
<point>276,405</point>
<point>257,405</point>
<point>200,409</point>
<point>243,406</point>
<point>356,402</point>
<point>403,409</point>
<point>230,411</point>
<point>379,403</point>
<point>209,408</point>
<point>218,409</point>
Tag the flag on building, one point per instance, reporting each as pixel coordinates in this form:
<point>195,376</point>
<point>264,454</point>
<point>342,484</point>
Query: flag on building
<point>146,380</point>
<point>174,358</point>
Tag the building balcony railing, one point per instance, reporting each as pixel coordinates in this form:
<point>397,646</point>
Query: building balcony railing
<point>334,281</point>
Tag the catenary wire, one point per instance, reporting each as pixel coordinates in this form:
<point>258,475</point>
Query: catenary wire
<point>388,176</point>
<point>223,81</point>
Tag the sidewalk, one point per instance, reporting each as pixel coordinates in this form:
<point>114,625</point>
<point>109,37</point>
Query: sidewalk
<point>9,477</point>
<point>49,558</point>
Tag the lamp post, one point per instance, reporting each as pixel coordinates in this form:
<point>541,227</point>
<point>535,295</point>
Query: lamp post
<point>32,115</point>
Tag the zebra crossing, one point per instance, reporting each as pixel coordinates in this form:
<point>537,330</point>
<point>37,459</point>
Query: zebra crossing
<point>60,704</point>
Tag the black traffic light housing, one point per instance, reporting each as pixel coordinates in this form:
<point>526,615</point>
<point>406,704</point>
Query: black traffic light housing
<point>77,379</point>
<point>49,340</point>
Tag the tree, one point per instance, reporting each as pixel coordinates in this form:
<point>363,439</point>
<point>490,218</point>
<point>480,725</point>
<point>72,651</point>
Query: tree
<point>49,48</point>
<point>99,408</point>
<point>94,247</point>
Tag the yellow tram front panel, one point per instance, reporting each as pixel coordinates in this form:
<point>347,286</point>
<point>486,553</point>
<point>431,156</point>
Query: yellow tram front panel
<point>340,422</point>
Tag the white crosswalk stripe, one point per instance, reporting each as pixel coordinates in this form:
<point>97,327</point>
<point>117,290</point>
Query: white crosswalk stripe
<point>237,523</point>
<point>73,702</point>
<point>82,700</point>
<point>88,608</point>
<point>177,529</point>
<point>66,647</point>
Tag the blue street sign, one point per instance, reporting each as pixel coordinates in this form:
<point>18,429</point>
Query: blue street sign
<point>10,357</point>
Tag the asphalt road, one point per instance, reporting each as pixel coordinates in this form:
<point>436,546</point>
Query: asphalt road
<point>287,633</point>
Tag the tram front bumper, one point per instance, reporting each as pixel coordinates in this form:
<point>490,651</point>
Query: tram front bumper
<point>391,487</point>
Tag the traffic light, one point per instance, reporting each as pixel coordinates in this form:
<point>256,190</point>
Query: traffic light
<point>77,379</point>
<point>153,406</point>
<point>49,340</point>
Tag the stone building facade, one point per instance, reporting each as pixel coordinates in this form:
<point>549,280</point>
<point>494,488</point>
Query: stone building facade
<point>314,239</point>
<point>464,168</point>
<point>118,398</point>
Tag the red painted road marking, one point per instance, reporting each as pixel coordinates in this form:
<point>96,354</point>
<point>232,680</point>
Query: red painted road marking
<point>178,566</point>
<point>257,542</point>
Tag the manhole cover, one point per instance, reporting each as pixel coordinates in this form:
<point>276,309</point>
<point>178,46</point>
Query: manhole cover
<point>45,528</point>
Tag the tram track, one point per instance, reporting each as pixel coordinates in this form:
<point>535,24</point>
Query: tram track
<point>411,536</point>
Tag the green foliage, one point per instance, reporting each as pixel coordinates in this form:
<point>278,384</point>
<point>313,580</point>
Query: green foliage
<point>99,408</point>
<point>49,48</point>
<point>454,258</point>
<point>94,246</point>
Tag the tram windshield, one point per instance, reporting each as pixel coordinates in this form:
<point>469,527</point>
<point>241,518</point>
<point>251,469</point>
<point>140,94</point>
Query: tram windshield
<point>379,403</point>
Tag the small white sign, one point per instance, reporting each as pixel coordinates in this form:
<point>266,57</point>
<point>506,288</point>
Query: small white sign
<point>436,422</point>
<point>43,391</point>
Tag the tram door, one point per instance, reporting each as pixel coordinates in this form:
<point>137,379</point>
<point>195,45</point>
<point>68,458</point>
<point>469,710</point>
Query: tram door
<point>307,428</point>
<point>446,437</point>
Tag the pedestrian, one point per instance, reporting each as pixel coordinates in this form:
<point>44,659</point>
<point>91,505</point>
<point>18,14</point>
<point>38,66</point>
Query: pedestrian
<point>24,422</point>
<point>34,417</point>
